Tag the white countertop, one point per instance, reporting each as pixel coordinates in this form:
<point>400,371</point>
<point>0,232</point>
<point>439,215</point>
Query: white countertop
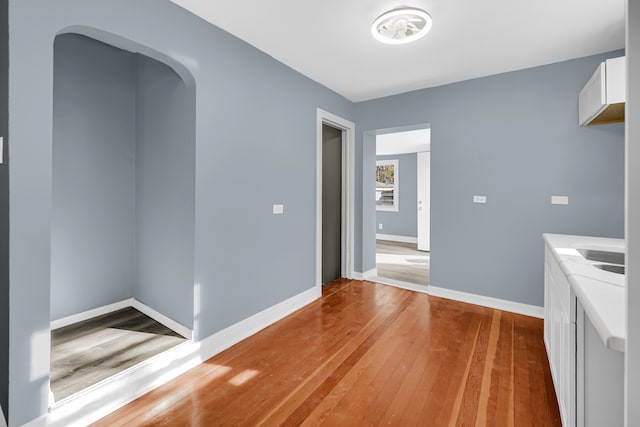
<point>601,293</point>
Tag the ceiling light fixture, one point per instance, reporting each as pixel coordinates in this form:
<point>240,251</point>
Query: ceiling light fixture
<point>401,25</point>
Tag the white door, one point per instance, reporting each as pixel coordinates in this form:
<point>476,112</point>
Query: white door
<point>424,203</point>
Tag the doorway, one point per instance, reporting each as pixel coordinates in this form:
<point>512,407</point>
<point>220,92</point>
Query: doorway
<point>403,161</point>
<point>334,234</point>
<point>331,204</point>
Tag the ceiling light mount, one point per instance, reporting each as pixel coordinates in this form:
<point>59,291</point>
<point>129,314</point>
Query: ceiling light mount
<point>401,25</point>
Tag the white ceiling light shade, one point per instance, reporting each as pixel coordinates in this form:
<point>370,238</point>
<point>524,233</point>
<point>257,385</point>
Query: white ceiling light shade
<point>401,25</point>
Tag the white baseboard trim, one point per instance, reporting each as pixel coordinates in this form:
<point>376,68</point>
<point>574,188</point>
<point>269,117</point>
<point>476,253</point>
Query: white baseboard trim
<point>393,238</point>
<point>131,302</point>
<point>85,315</point>
<point>500,304</point>
<point>161,318</point>
<point>227,337</point>
<point>401,284</point>
<point>367,275</point>
<point>111,394</point>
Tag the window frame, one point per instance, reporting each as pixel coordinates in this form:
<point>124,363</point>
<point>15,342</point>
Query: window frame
<point>396,185</point>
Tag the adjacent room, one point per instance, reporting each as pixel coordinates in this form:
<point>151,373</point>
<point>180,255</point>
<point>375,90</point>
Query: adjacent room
<point>403,161</point>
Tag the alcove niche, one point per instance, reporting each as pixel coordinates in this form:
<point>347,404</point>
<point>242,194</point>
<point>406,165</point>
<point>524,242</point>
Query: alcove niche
<point>122,224</point>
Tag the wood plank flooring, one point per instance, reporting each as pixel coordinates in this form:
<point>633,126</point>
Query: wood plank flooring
<point>402,261</point>
<point>86,353</point>
<point>367,354</point>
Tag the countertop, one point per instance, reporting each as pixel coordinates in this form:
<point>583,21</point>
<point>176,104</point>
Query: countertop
<point>601,293</point>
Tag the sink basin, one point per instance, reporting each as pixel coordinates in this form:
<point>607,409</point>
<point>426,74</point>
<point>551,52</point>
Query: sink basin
<point>618,269</point>
<point>603,256</point>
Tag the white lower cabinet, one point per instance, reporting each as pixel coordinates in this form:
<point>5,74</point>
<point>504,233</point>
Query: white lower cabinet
<point>560,336</point>
<point>600,378</point>
<point>588,377</point>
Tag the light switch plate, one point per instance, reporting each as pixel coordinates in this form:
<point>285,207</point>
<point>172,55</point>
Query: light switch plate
<point>479,199</point>
<point>559,200</point>
<point>278,209</point>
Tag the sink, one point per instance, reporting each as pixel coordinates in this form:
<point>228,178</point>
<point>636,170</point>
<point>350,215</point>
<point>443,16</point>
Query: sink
<point>618,269</point>
<point>603,256</point>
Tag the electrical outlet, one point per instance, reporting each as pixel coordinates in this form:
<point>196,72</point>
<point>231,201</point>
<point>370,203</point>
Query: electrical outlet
<point>479,199</point>
<point>379,226</point>
<point>559,200</point>
<point>278,209</point>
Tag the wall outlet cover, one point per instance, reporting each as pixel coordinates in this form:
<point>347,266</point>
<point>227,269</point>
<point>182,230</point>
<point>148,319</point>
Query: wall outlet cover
<point>559,200</point>
<point>278,209</point>
<point>479,199</point>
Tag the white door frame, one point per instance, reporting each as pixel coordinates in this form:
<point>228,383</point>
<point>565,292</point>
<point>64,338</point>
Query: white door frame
<point>424,203</point>
<point>348,192</point>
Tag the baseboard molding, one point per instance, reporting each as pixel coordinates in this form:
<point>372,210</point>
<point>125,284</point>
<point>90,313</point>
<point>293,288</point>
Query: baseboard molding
<point>111,394</point>
<point>161,318</point>
<point>226,338</point>
<point>85,315</point>
<point>401,284</point>
<point>500,304</point>
<point>367,275</point>
<point>393,238</point>
<point>131,302</point>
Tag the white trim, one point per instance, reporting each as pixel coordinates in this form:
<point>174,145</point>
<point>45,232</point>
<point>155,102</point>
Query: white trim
<point>230,336</point>
<point>394,238</point>
<point>499,304</point>
<point>3,421</point>
<point>396,185</point>
<point>107,396</point>
<point>367,275</point>
<point>423,228</point>
<point>131,302</point>
<point>161,318</point>
<point>89,314</point>
<point>348,192</point>
<point>402,284</point>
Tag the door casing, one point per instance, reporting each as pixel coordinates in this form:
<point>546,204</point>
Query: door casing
<point>348,192</point>
<point>424,200</point>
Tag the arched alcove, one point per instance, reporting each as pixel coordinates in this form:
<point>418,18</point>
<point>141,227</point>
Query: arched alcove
<point>123,192</point>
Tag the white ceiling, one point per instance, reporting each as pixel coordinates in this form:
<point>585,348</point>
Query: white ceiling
<point>413,141</point>
<point>330,42</point>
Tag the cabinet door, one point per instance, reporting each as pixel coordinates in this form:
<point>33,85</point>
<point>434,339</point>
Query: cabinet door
<point>567,375</point>
<point>559,336</point>
<point>601,377</point>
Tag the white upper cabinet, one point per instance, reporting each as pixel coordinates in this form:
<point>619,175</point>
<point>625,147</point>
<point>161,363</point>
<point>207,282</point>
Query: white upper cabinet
<point>602,98</point>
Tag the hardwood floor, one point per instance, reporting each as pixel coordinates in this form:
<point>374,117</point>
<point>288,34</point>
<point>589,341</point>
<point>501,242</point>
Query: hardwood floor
<point>402,261</point>
<point>88,352</point>
<point>367,354</point>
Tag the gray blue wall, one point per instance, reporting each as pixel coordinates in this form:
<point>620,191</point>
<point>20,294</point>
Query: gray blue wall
<point>123,181</point>
<point>255,132</point>
<point>511,137</point>
<point>404,222</point>
<point>165,157</point>
<point>514,138</point>
<point>4,208</point>
<point>92,222</point>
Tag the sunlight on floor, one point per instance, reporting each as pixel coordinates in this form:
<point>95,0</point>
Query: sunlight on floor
<point>402,262</point>
<point>243,377</point>
<point>401,259</point>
